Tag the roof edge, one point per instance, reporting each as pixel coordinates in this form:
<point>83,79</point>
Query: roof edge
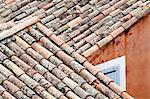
<point>115,33</point>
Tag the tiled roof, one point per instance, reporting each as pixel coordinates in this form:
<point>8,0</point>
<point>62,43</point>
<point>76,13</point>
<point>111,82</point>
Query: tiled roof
<point>82,24</point>
<point>36,59</point>
<point>36,64</point>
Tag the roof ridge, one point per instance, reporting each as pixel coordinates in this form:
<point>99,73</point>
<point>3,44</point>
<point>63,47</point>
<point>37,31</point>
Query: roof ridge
<point>18,27</point>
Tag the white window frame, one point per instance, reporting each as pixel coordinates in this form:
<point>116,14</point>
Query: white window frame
<point>116,62</point>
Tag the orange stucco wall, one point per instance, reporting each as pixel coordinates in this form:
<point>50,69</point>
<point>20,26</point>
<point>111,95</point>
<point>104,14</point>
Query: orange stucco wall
<point>135,44</point>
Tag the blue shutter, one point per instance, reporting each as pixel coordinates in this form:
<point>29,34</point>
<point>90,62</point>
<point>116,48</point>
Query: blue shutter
<point>113,73</point>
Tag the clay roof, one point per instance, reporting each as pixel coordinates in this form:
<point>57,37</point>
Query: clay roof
<point>41,44</point>
<point>85,25</point>
<point>35,63</point>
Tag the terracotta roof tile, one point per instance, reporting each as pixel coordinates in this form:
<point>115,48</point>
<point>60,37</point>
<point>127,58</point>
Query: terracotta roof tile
<point>40,50</point>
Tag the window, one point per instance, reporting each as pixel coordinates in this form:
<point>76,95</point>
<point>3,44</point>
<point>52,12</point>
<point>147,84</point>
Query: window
<point>115,69</point>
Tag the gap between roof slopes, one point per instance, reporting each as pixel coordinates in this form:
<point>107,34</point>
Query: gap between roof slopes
<point>36,20</point>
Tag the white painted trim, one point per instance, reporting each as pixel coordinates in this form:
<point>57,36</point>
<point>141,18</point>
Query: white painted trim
<point>116,62</point>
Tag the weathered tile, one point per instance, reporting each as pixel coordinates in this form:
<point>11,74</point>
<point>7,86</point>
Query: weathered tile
<point>115,26</point>
<point>67,48</point>
<point>49,5</point>
<point>51,78</point>
<point>116,32</point>
<point>10,87</point>
<point>115,87</point>
<point>34,3</point>
<point>55,92</point>
<point>90,67</point>
<point>35,33</point>
<point>106,90</point>
<point>49,45</point>
<point>2,78</point>
<point>64,36</point>
<point>7,95</point>
<point>74,22</point>
<point>97,18</point>
<point>21,43</point>
<point>116,12</point>
<point>87,75</point>
<point>60,11</point>
<point>55,60</point>
<point>100,96</point>
<point>118,4</point>
<point>65,69</point>
<point>29,11</point>
<point>16,81</point>
<point>15,48</point>
<point>62,87</point>
<point>128,23</point>
<point>127,96</point>
<point>22,65</point>
<point>36,97</point>
<point>2,89</point>
<point>39,89</point>
<point>51,10</point>
<point>27,59</point>
<point>76,66</point>
<point>2,57</point>
<point>56,39</point>
<point>91,90</point>
<point>48,19</point>
<point>41,50</point>
<point>6,50</point>
<point>63,28</point>
<point>60,74</point>
<point>82,93</point>
<point>37,77</point>
<point>93,14</point>
<point>70,94</point>
<point>105,40</point>
<point>70,83</point>
<point>46,95</point>
<point>7,12</point>
<point>103,78</point>
<point>13,67</point>
<point>28,91</point>
<point>21,95</point>
<point>77,78</point>
<point>47,64</point>
<point>79,44</point>
<point>64,57</point>
<point>74,33</point>
<point>40,69</point>
<point>29,81</point>
<point>23,3</point>
<point>78,57</point>
<point>34,54</point>
<point>31,72</point>
<point>29,39</point>
<point>42,4</point>
<point>45,83</point>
